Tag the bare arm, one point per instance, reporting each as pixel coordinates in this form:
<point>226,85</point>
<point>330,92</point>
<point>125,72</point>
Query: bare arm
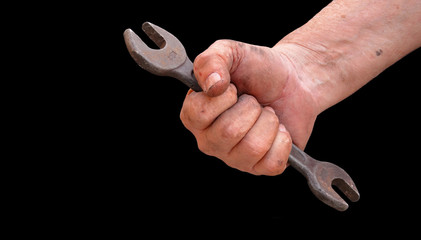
<point>283,89</point>
<point>355,40</point>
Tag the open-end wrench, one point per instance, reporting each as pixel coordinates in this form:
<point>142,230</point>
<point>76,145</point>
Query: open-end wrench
<point>171,60</point>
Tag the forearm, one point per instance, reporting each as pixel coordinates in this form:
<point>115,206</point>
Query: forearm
<point>350,42</point>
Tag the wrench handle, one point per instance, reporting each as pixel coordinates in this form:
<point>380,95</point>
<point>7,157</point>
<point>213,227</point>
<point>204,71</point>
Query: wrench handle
<point>301,161</point>
<point>185,74</point>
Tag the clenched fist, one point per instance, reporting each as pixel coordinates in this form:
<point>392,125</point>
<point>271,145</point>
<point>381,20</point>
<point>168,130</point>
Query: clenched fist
<point>257,100</point>
<point>251,96</point>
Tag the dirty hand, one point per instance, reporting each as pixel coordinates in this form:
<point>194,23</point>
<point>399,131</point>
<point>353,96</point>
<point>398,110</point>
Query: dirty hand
<point>252,103</point>
<point>256,100</point>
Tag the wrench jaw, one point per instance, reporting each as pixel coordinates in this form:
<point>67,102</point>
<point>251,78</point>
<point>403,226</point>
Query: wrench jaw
<point>170,55</point>
<point>156,34</point>
<point>169,60</point>
<point>329,174</point>
<point>328,196</point>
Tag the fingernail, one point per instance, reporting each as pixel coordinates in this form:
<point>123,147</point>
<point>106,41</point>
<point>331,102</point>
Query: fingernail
<point>282,128</point>
<point>190,91</point>
<point>270,109</point>
<point>212,79</point>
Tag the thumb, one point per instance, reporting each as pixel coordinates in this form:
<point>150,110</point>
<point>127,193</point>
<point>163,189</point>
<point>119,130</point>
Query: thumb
<point>212,67</point>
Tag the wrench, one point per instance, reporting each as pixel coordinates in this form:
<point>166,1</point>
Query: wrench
<point>171,60</point>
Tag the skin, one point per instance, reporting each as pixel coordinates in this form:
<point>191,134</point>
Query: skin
<point>258,100</point>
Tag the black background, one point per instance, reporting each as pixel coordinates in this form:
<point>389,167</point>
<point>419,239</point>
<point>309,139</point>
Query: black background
<point>134,166</point>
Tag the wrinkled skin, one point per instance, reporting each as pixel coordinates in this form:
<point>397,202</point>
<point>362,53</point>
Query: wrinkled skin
<point>282,89</point>
<point>242,116</point>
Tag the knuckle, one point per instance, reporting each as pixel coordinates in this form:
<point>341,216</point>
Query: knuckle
<point>217,47</point>
<point>272,119</point>
<point>256,147</point>
<point>222,49</point>
<point>285,139</point>
<point>184,118</point>
<point>231,130</point>
<point>222,43</point>
<point>259,149</point>
<point>206,145</point>
<point>201,58</point>
<point>196,113</point>
<point>188,115</point>
<point>248,105</point>
<point>274,168</point>
<point>232,91</point>
<point>203,147</point>
<point>185,114</point>
<point>242,116</point>
<point>238,165</point>
<point>201,116</point>
<point>250,101</point>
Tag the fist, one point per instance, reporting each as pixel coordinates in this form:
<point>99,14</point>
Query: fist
<point>237,130</point>
<point>251,96</point>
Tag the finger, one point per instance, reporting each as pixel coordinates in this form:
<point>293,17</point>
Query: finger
<point>212,67</point>
<point>230,127</point>
<point>256,143</point>
<point>200,110</point>
<point>275,160</point>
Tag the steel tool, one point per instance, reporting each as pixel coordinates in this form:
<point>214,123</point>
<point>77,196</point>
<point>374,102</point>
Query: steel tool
<point>171,60</point>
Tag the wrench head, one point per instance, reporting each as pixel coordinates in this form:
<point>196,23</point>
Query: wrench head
<point>170,55</point>
<point>328,174</point>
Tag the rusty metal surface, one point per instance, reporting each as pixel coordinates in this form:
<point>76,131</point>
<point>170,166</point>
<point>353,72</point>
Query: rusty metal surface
<point>321,176</point>
<point>171,60</point>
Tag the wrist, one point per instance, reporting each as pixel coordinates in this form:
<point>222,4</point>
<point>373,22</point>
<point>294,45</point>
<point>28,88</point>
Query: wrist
<point>347,44</point>
<point>322,71</point>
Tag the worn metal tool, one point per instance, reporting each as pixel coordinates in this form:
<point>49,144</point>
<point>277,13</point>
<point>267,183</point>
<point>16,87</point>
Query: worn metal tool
<point>171,60</point>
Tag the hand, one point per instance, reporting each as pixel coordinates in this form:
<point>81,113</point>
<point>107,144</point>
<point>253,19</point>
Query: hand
<point>282,89</point>
<point>248,132</point>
